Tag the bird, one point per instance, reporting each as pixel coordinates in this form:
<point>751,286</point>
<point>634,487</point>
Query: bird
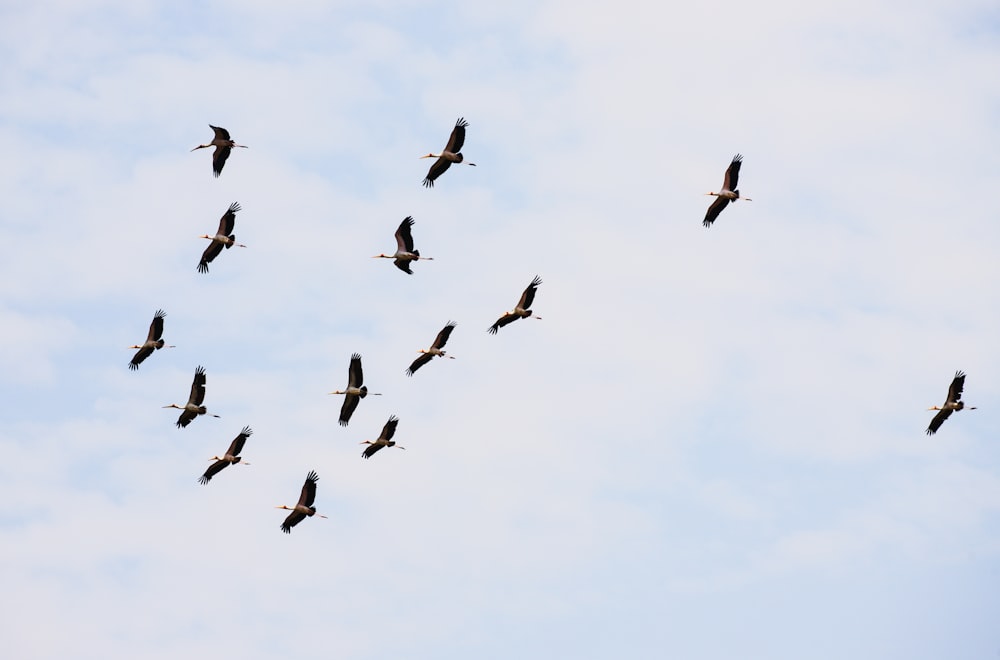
<point>384,438</point>
<point>953,403</point>
<point>223,145</point>
<point>355,390</point>
<point>404,248</point>
<point>153,341</point>
<point>231,457</point>
<point>522,310</point>
<point>729,193</point>
<point>223,238</point>
<point>451,154</point>
<point>435,349</point>
<point>305,505</point>
<point>193,407</point>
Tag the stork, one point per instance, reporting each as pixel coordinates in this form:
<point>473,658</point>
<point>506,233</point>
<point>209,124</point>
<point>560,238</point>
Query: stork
<point>435,349</point>
<point>355,390</point>
<point>224,238</point>
<point>404,248</point>
<point>153,341</point>
<point>231,457</point>
<point>729,193</point>
<point>954,403</point>
<point>223,145</point>
<point>193,407</point>
<point>522,310</point>
<point>304,507</point>
<point>384,438</point>
<point>451,154</point>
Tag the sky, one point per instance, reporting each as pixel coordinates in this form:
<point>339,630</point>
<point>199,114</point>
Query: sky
<point>711,446</point>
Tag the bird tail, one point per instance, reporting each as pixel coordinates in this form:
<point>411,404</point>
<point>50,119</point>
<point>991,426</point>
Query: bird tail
<point>416,252</point>
<point>364,391</point>
<point>737,193</point>
<point>202,410</point>
<point>232,239</point>
<point>159,343</point>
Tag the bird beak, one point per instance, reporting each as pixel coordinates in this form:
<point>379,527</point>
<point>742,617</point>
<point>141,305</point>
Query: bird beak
<point>428,156</point>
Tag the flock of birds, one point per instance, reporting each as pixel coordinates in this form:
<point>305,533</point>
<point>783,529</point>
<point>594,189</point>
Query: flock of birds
<point>403,258</point>
<point>405,255</point>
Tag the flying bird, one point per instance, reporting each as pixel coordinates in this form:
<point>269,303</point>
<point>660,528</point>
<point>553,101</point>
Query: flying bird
<point>522,310</point>
<point>435,349</point>
<point>355,390</point>
<point>729,193</point>
<point>193,407</point>
<point>451,154</point>
<point>224,238</point>
<point>223,145</point>
<point>384,439</point>
<point>231,457</point>
<point>404,248</point>
<point>953,403</point>
<point>305,505</point>
<point>153,341</point>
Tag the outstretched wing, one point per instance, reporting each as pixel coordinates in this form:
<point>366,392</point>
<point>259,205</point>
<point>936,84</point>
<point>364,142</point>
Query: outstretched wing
<point>502,321</point>
<point>439,167</point>
<point>714,210</point>
<point>419,362</point>
<point>442,337</point>
<point>213,469</point>
<point>457,139</point>
<point>371,449</point>
<point>156,326</point>
<point>228,220</point>
<point>140,355</point>
<point>308,495</point>
<point>198,387</point>
<point>347,409</point>
<point>528,296</point>
<point>956,387</point>
<point>293,519</point>
<point>938,421</point>
<point>404,237</point>
<point>210,253</point>
<point>732,180</point>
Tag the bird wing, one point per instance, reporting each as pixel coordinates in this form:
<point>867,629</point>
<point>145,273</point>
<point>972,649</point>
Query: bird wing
<point>346,410</point>
<point>403,265</point>
<point>293,519</point>
<point>419,362</point>
<point>404,239</point>
<point>228,220</point>
<point>938,421</point>
<point>308,495</point>
<point>219,158</point>
<point>371,449</point>
<point>210,253</point>
<point>156,327</point>
<point>442,337</point>
<point>355,376</point>
<point>185,418</point>
<point>140,355</point>
<point>220,133</point>
<point>213,469</point>
<point>439,167</point>
<point>389,429</point>
<point>956,387</point>
<point>714,210</point>
<point>732,180</point>
<point>502,321</point>
<point>457,138</point>
<point>198,387</point>
<point>528,296</point>
<point>236,446</point>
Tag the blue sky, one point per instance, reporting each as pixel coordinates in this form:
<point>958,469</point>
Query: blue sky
<point>711,446</point>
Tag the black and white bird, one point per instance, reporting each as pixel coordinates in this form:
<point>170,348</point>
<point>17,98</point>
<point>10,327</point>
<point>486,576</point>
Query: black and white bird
<point>304,507</point>
<point>356,390</point>
<point>729,193</point>
<point>223,145</point>
<point>231,457</point>
<point>522,310</point>
<point>435,349</point>
<point>451,154</point>
<point>193,407</point>
<point>953,404</point>
<point>384,439</point>
<point>404,248</point>
<point>153,341</point>
<point>224,238</point>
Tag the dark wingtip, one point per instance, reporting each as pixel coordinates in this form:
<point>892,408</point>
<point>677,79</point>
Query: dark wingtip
<point>132,366</point>
<point>246,431</point>
<point>203,480</point>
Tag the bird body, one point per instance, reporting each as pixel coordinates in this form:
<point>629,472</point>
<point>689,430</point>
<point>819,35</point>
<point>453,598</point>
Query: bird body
<point>435,349</point>
<point>729,192</point>
<point>355,391</point>
<point>153,341</point>
<point>193,407</point>
<point>223,238</point>
<point>953,404</point>
<point>405,252</point>
<point>304,507</point>
<point>223,146</point>
<point>521,310</point>
<point>451,154</point>
<point>384,438</point>
<point>231,457</point>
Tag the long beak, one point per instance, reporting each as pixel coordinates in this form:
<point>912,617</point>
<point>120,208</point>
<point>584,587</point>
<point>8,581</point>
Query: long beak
<point>428,156</point>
